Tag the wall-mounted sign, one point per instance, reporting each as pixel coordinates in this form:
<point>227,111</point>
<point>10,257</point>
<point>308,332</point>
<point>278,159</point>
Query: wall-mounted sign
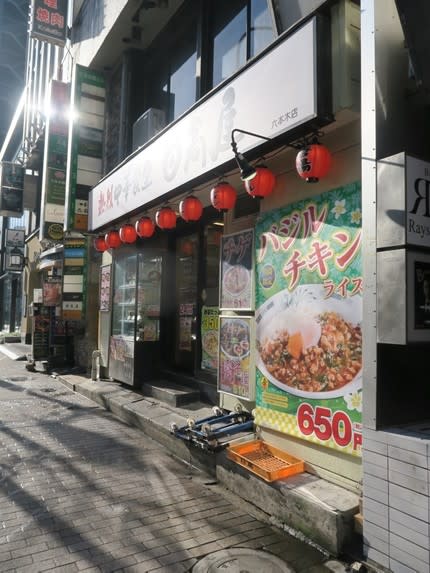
<point>11,189</point>
<point>49,21</point>
<point>85,145</point>
<point>209,333</point>
<point>290,100</point>
<point>55,163</point>
<point>52,291</point>
<point>308,319</point>
<point>237,271</point>
<point>74,278</point>
<point>105,287</point>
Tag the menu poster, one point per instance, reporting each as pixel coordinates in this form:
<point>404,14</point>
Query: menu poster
<point>237,258</point>
<point>105,287</point>
<point>235,372</point>
<point>42,316</point>
<point>209,333</point>
<point>52,291</point>
<point>185,326</point>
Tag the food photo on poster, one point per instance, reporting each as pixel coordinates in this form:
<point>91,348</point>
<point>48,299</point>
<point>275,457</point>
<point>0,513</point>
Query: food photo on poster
<point>237,271</point>
<point>308,319</point>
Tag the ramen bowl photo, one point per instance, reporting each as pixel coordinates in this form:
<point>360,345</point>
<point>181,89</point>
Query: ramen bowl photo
<point>308,345</point>
<point>236,280</point>
<point>234,338</point>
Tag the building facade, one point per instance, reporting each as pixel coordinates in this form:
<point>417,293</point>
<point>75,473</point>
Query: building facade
<point>298,294</point>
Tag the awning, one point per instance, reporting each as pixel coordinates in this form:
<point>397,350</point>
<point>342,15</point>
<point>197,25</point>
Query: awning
<point>49,264</point>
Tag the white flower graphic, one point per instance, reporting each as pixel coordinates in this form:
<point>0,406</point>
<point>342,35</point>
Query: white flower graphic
<point>356,216</point>
<point>354,401</point>
<point>339,208</point>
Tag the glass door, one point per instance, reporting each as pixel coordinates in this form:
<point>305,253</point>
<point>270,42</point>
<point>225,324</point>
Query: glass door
<point>121,344</point>
<point>187,252</point>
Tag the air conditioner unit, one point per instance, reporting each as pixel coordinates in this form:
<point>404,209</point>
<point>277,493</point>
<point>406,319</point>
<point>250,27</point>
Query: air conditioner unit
<point>149,123</point>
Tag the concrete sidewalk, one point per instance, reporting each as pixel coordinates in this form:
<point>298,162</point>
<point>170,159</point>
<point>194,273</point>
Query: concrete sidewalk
<point>321,511</point>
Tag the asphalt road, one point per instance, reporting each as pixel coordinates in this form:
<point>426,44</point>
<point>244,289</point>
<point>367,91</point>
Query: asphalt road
<point>81,491</point>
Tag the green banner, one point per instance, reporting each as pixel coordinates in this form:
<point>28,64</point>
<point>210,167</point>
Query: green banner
<point>308,319</point>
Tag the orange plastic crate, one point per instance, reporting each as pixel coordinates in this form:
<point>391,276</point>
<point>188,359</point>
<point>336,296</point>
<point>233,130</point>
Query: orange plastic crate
<point>266,461</point>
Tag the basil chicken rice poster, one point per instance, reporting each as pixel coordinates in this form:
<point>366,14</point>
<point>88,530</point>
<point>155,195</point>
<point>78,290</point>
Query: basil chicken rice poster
<point>308,319</point>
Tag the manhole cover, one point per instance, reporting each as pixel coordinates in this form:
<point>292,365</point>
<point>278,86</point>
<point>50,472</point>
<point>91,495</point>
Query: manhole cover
<point>240,560</point>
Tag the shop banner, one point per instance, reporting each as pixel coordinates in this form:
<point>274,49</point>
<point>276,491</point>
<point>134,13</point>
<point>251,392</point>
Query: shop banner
<point>308,319</point>
<point>236,374</point>
<point>49,21</point>
<point>105,287</point>
<point>209,332</point>
<point>85,151</point>
<point>237,285</point>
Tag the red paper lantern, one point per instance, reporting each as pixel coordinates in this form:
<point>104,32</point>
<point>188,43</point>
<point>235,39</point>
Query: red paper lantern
<point>145,227</point>
<point>223,196</point>
<point>112,239</point>
<point>127,233</point>
<point>166,218</point>
<point>262,184</point>
<point>100,244</point>
<point>313,162</point>
<point>191,208</point>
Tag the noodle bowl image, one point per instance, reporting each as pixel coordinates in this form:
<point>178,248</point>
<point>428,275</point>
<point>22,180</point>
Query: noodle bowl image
<point>311,347</point>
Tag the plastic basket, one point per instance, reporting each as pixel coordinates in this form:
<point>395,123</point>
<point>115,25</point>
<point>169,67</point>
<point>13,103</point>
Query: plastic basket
<point>264,460</point>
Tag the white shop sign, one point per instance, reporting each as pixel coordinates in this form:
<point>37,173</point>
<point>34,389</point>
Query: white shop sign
<point>417,202</point>
<point>271,97</point>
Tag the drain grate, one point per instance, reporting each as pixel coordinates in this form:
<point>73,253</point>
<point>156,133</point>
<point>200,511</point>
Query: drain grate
<point>241,560</point>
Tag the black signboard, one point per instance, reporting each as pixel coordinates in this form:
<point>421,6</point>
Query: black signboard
<point>49,21</point>
<point>11,189</point>
<point>42,318</point>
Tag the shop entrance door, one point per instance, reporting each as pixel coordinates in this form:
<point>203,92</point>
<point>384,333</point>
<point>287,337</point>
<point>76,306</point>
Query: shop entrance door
<point>186,271</point>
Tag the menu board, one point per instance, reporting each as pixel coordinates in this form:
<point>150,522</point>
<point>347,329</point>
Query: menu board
<point>237,284</point>
<point>105,287</point>
<point>42,317</point>
<point>235,371</point>
<point>308,320</point>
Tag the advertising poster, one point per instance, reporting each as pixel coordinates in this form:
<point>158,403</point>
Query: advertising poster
<point>11,189</point>
<point>105,287</point>
<point>52,291</point>
<point>237,253</point>
<point>235,375</point>
<point>209,333</point>
<point>308,320</point>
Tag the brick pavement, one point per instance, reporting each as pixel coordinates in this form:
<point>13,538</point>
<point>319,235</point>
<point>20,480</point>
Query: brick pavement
<point>81,491</point>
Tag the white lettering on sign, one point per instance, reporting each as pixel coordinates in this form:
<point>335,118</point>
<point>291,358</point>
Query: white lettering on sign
<point>417,202</point>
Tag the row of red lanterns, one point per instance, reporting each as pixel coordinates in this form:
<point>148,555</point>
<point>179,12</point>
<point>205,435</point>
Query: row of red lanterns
<point>312,163</point>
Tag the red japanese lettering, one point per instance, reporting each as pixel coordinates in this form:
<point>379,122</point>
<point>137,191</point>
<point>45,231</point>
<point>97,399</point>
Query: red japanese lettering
<point>318,256</point>
<point>42,15</point>
<point>342,287</point>
<point>312,222</point>
<point>290,227</point>
<point>292,269</point>
<point>358,286</point>
<point>57,20</point>
<point>345,258</point>
<point>51,3</point>
<point>265,239</point>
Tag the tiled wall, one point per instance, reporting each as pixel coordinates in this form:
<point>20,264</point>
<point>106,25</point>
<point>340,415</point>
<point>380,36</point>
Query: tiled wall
<point>396,500</point>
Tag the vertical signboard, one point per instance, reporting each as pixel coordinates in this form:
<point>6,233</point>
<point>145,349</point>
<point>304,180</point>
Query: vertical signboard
<point>55,163</point>
<point>237,252</point>
<point>11,189</point>
<point>74,278</point>
<point>105,287</point>
<point>85,149</point>
<point>235,372</point>
<point>209,334</point>
<point>49,21</point>
<point>308,319</point>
